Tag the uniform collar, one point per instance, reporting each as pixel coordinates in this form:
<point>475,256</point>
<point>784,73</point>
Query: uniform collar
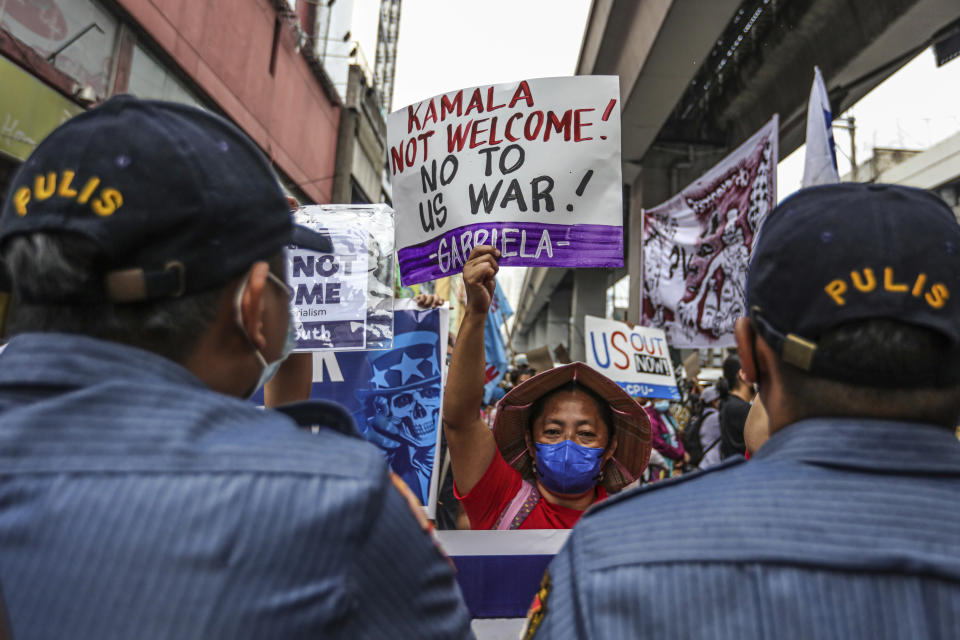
<point>71,360</point>
<point>865,444</point>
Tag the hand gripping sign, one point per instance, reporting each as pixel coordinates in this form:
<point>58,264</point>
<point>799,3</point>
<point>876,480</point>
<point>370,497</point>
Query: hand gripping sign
<point>532,168</point>
<point>638,358</point>
<point>341,271</point>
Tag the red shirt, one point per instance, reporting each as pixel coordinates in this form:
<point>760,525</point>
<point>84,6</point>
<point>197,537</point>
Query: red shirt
<point>499,484</point>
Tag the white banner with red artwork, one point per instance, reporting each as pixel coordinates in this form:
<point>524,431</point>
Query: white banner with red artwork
<point>696,246</point>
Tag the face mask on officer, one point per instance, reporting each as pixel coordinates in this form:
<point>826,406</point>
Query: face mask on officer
<point>268,369</point>
<point>662,405</point>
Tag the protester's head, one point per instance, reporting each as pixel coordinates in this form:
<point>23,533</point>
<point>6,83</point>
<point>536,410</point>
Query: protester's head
<point>711,397</point>
<point>853,310</point>
<point>573,412</point>
<point>575,428</point>
<point>733,376</point>
<point>523,374</point>
<point>155,225</point>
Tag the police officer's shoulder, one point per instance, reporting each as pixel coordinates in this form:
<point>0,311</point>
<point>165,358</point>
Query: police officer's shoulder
<point>637,493</point>
<point>320,439</point>
<point>321,414</point>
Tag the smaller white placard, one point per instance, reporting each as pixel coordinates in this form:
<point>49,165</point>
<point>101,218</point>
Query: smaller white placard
<point>637,358</point>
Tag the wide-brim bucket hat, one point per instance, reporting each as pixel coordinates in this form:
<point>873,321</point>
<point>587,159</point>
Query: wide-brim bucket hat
<point>630,422</point>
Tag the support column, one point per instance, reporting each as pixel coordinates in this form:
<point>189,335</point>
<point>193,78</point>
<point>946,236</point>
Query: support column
<point>538,335</point>
<point>589,298</point>
<point>558,319</point>
<point>634,238</point>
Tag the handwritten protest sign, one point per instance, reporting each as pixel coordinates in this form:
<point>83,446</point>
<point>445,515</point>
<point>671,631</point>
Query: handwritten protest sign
<point>637,359</point>
<point>532,168</point>
<point>342,293</point>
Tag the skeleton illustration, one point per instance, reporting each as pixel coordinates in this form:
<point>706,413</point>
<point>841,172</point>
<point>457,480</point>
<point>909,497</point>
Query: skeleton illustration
<point>718,300</point>
<point>402,411</point>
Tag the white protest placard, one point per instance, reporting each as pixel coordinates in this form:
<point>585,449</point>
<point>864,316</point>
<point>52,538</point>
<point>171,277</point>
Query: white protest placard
<point>531,167</point>
<point>340,300</point>
<point>637,359</point>
<point>329,294</point>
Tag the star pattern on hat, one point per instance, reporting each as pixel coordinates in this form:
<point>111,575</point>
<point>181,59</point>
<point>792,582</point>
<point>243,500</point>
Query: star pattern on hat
<point>408,367</point>
<point>434,366</point>
<point>380,377</point>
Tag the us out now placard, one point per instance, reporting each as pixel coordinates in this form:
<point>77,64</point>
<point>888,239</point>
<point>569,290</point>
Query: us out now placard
<point>637,359</point>
<point>531,167</point>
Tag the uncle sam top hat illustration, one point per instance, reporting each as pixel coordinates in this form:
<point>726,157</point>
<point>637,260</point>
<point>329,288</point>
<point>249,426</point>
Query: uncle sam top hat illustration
<point>410,364</point>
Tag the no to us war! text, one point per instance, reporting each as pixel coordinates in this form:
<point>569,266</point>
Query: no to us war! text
<point>532,167</point>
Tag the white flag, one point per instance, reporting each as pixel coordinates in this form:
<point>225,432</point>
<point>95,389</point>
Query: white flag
<point>821,161</point>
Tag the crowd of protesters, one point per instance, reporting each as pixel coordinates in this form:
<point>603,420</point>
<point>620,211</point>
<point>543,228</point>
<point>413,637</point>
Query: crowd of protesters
<point>142,495</point>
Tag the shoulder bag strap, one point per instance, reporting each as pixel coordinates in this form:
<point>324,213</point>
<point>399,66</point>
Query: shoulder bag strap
<point>519,508</point>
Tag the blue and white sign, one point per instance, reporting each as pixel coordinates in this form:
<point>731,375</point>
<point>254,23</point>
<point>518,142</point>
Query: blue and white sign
<point>341,269</point>
<point>395,395</point>
<point>637,358</point>
<point>499,573</point>
<point>330,293</point>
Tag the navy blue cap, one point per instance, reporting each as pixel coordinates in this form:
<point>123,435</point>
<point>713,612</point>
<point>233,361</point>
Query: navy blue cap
<point>178,199</point>
<point>845,252</point>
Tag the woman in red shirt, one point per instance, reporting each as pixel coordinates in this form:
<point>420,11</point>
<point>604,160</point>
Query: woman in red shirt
<point>561,441</point>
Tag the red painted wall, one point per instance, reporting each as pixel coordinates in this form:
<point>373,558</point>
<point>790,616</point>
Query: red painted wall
<point>225,47</point>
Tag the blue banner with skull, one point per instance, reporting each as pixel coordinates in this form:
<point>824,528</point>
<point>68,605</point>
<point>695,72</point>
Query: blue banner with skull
<point>394,395</point>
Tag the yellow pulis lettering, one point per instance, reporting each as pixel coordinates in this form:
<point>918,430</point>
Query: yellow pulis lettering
<point>65,189</point>
<point>835,290</point>
<point>43,188</point>
<point>109,201</point>
<point>20,200</point>
<point>889,284</point>
<point>918,285</point>
<point>869,283</point>
<point>937,296</point>
<point>88,190</point>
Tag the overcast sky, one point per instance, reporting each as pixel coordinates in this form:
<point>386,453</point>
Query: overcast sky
<point>451,44</point>
<point>914,109</point>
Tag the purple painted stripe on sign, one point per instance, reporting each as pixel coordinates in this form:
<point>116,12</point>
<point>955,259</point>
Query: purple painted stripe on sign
<point>527,244</point>
<point>500,586</point>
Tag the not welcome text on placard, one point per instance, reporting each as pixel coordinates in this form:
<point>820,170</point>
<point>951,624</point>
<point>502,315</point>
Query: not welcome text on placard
<point>532,168</point>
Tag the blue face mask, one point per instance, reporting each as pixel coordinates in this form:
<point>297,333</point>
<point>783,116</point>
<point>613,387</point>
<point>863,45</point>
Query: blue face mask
<point>268,368</point>
<point>662,406</point>
<point>271,369</point>
<point>568,468</point>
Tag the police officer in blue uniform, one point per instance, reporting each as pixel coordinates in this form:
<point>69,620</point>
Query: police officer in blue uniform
<point>845,522</point>
<point>140,495</point>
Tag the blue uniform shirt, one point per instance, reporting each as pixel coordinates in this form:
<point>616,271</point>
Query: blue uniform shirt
<point>137,503</point>
<point>838,528</point>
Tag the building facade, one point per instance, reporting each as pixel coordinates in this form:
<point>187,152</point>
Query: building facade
<point>252,61</point>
